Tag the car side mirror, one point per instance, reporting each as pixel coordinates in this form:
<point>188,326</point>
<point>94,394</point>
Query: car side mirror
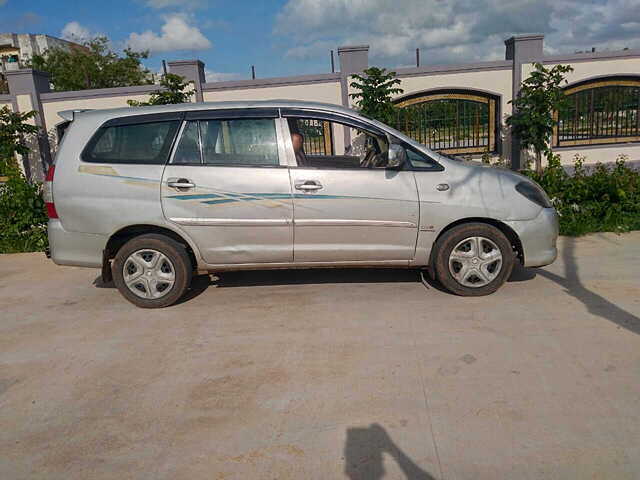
<point>397,156</point>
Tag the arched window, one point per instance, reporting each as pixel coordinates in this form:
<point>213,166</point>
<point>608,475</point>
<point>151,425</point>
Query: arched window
<point>451,121</point>
<point>600,111</point>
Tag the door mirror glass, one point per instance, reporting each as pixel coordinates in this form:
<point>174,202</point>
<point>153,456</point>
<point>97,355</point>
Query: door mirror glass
<point>397,156</point>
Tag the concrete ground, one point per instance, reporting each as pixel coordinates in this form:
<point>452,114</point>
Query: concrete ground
<point>326,374</point>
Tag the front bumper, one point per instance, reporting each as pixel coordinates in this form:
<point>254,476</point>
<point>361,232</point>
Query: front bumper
<point>538,237</point>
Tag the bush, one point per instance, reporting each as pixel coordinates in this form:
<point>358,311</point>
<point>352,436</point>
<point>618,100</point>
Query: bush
<point>599,199</point>
<point>22,215</point>
<point>23,221</point>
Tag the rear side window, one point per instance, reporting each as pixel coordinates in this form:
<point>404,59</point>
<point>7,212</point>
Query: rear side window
<point>229,142</point>
<point>140,143</point>
<point>61,129</point>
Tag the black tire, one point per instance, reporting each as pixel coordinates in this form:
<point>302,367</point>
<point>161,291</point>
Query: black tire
<point>174,251</point>
<point>449,240</point>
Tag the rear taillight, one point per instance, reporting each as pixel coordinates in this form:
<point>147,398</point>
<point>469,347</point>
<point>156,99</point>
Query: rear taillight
<point>47,193</point>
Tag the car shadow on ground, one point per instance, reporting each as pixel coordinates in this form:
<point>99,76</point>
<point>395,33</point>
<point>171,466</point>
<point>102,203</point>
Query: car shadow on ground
<point>316,276</point>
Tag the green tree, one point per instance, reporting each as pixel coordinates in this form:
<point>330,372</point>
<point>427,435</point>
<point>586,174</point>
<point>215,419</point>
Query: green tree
<point>376,89</point>
<point>174,91</point>
<point>541,95</point>
<point>22,216</point>
<point>93,65</point>
<point>14,129</point>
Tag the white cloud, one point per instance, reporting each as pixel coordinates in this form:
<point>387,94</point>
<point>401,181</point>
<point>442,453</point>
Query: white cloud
<point>75,32</point>
<point>188,4</point>
<point>453,30</point>
<point>176,34</point>
<point>211,76</point>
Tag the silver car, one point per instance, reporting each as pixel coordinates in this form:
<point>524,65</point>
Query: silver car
<point>154,195</point>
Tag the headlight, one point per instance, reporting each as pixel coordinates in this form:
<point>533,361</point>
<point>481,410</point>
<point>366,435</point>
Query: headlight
<point>534,193</point>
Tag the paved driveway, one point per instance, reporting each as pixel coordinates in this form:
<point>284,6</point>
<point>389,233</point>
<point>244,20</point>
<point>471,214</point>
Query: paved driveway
<point>326,374</point>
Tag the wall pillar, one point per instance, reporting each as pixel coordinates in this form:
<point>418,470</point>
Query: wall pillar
<point>521,49</point>
<point>26,85</point>
<point>193,71</point>
<point>353,59</point>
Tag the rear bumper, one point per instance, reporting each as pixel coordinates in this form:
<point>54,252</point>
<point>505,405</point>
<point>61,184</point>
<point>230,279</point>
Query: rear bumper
<point>74,248</point>
<point>538,237</point>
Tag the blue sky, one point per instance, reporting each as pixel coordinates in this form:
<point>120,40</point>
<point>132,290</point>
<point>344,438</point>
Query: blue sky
<point>240,32</point>
<point>286,37</point>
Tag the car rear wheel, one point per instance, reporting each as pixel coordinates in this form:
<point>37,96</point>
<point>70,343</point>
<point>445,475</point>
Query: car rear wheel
<point>152,271</point>
<point>473,259</point>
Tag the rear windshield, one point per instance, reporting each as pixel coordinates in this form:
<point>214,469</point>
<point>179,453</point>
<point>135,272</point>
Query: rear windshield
<point>140,143</point>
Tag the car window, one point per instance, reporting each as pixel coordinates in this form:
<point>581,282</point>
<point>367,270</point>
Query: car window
<point>143,143</point>
<point>421,161</point>
<point>319,143</point>
<point>239,142</point>
<point>188,150</point>
<point>247,142</point>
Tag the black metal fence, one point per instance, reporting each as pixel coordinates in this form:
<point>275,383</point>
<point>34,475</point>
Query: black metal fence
<point>453,125</point>
<point>449,121</point>
<point>317,136</point>
<point>602,114</point>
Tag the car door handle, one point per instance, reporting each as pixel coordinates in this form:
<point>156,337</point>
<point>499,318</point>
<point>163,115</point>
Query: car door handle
<point>180,183</point>
<point>308,185</point>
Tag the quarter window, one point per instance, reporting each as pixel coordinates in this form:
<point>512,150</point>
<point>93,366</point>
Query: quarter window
<point>246,142</point>
<point>420,161</point>
<point>142,143</point>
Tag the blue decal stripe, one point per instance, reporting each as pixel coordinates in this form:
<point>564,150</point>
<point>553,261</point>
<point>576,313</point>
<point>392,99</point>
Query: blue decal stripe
<point>195,196</point>
<point>214,199</point>
<point>286,195</point>
<point>316,196</point>
<point>222,200</point>
<point>122,177</point>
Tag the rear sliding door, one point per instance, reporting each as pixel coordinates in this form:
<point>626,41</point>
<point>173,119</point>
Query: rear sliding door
<point>227,185</point>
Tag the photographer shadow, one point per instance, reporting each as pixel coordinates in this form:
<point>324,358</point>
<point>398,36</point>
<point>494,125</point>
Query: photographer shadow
<point>363,455</point>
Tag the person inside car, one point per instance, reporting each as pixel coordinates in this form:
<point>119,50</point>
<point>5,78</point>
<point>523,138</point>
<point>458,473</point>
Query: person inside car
<point>297,141</point>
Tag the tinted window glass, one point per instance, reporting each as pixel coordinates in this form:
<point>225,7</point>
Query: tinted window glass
<point>239,142</point>
<point>420,160</point>
<point>143,143</point>
<point>188,151</point>
<point>228,142</point>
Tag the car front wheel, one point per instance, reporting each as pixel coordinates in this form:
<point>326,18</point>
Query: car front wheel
<point>152,271</point>
<point>473,259</point>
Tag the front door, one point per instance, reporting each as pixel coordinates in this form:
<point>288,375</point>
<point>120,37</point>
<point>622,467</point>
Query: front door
<point>348,206</point>
<point>228,187</point>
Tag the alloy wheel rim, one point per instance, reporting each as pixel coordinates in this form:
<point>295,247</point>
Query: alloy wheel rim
<point>475,262</point>
<point>148,274</point>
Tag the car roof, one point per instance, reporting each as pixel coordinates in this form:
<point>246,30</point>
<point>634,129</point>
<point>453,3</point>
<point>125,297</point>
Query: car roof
<point>183,107</point>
